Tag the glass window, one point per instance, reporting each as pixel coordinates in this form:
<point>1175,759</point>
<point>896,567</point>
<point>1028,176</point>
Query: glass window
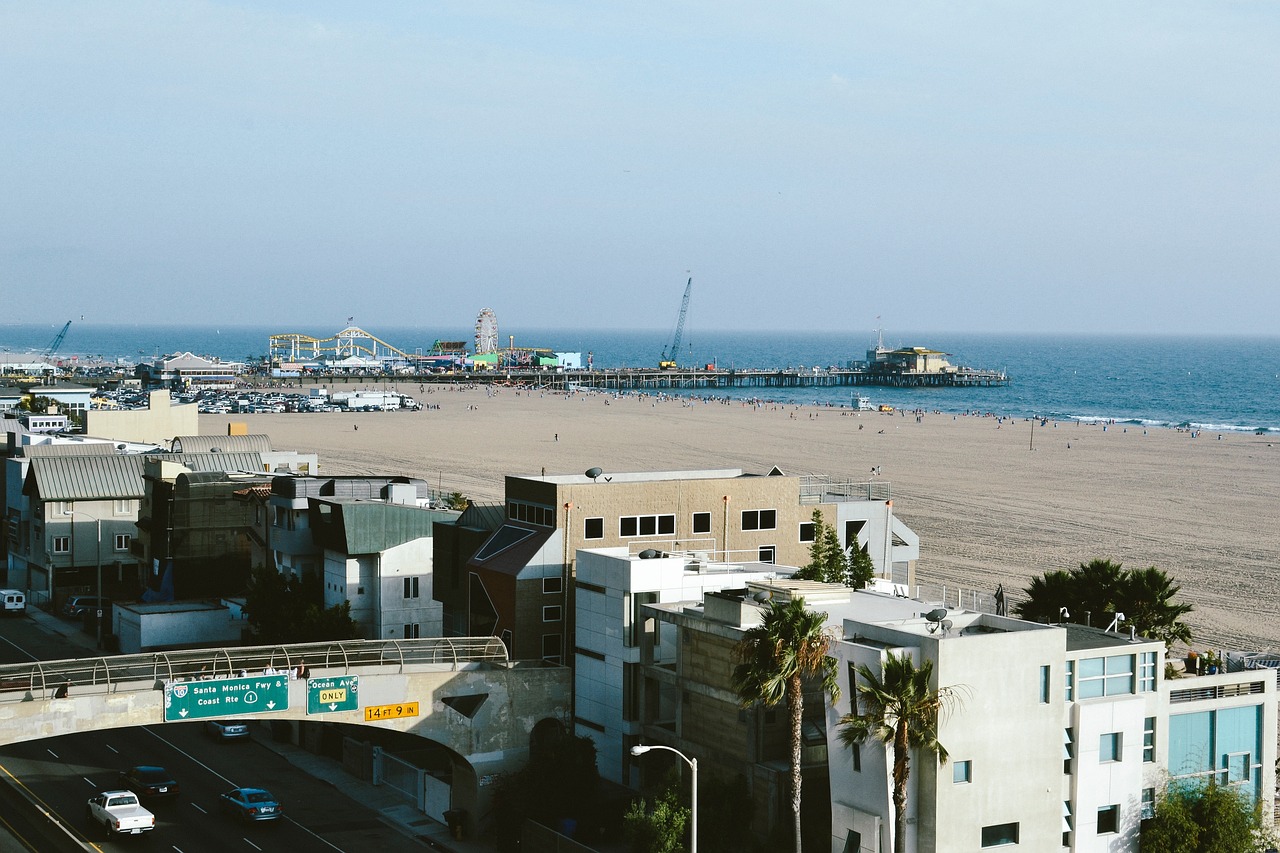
<point>552,586</point>
<point>1148,803</point>
<point>1109,747</point>
<point>1149,740</point>
<point>551,613</point>
<point>1044,685</point>
<point>412,631</point>
<point>806,531</point>
<point>759,519</point>
<point>122,541</point>
<point>1147,672</point>
<point>410,587</point>
<point>961,772</point>
<point>1068,749</point>
<point>702,522</point>
<point>647,525</point>
<point>1109,676</point>
<point>593,528</point>
<point>551,644</point>
<point>1071,680</point>
<point>766,554</point>
<point>62,544</point>
<point>628,525</point>
<point>1108,820</point>
<point>999,835</point>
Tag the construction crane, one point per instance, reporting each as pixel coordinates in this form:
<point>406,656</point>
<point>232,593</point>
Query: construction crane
<point>57,341</point>
<point>665,363</point>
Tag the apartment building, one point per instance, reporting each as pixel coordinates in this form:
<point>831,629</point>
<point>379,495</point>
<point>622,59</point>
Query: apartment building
<point>518,584</point>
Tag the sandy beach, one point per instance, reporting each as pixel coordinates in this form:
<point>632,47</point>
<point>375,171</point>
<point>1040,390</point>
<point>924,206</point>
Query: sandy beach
<point>993,502</point>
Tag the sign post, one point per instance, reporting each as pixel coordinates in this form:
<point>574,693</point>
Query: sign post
<point>337,693</point>
<point>225,697</point>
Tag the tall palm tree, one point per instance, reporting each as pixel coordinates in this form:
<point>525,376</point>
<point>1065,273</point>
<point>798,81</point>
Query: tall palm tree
<point>776,657</point>
<point>900,710</point>
<point>1146,598</point>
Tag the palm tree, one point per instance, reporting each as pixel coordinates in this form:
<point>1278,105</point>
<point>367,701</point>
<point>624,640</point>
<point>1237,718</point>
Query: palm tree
<point>1146,598</point>
<point>776,657</point>
<point>900,710</point>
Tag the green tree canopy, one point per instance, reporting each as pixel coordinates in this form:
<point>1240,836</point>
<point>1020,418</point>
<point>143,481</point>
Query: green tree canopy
<point>900,709</point>
<point>1208,819</point>
<point>291,609</point>
<point>1101,588</point>
<point>776,657</point>
<point>830,562</point>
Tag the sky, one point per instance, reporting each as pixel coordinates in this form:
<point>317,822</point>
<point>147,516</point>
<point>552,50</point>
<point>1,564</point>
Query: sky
<point>952,166</point>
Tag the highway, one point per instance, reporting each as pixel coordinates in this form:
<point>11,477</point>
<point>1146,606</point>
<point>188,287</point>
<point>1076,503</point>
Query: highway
<point>44,784</point>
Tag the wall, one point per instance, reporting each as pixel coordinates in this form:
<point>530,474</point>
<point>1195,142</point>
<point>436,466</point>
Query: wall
<point>157,424</point>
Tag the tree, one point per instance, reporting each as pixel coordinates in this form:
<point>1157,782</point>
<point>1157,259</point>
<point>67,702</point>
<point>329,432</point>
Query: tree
<point>829,562</point>
<point>658,827</point>
<point>559,783</point>
<point>900,710</point>
<point>775,658</point>
<point>457,501</point>
<point>1208,819</point>
<point>291,609</point>
<point>1147,598</point>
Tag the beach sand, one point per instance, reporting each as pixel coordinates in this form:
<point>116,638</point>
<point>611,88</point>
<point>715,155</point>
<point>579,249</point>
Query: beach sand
<point>988,507</point>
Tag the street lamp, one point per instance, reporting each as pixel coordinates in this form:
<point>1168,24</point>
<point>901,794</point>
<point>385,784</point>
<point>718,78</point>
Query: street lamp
<point>641,749</point>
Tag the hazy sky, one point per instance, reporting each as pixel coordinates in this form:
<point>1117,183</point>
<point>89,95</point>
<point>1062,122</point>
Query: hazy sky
<point>954,166</point>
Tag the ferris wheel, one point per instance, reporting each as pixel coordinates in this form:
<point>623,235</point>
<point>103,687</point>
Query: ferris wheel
<point>486,332</point>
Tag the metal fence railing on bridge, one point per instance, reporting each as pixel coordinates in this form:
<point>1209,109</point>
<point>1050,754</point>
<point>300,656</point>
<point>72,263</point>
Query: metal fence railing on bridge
<point>23,682</point>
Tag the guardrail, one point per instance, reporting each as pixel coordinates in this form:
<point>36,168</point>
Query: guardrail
<point>25,682</point>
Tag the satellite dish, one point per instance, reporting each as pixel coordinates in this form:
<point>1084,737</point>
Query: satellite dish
<point>937,614</point>
<point>593,473</point>
<point>648,554</point>
<point>762,596</point>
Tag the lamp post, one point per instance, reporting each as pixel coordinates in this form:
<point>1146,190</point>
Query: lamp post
<point>640,749</point>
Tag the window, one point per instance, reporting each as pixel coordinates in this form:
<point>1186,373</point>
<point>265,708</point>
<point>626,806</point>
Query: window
<point>1000,834</point>
<point>1237,767</point>
<point>62,507</point>
<point>123,507</point>
<point>62,544</point>
<point>122,541</point>
<point>962,772</point>
<point>1149,740</point>
<point>1044,685</point>
<point>759,519</point>
<point>412,631</point>
<point>1108,820</point>
<point>1147,672</point>
<point>280,514</point>
<point>1068,823</point>
<point>806,531</point>
<point>1110,676</point>
<point>410,587</point>
<point>1148,803</point>
<point>647,525</point>
<point>702,522</point>
<point>551,613</point>
<point>1068,749</point>
<point>543,516</point>
<point>766,554</point>
<point>1110,746</point>
<point>552,586</point>
<point>551,648</point>
<point>1071,680</point>
<point>593,528</point>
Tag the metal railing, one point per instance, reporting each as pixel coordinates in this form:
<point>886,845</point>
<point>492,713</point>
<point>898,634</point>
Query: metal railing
<point>127,673</point>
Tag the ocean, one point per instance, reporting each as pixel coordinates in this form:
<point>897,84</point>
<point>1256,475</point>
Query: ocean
<point>1216,384</point>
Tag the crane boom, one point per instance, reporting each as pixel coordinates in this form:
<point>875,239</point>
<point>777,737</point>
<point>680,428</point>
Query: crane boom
<point>670,364</point>
<point>57,341</point>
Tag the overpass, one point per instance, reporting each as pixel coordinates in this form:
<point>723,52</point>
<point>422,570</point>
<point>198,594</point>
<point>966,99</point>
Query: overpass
<point>460,692</point>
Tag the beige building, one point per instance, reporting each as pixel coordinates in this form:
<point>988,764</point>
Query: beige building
<point>157,423</point>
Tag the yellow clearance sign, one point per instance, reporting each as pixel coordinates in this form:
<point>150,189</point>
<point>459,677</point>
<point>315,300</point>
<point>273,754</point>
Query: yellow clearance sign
<point>373,713</point>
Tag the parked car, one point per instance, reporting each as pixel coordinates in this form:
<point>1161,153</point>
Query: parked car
<point>250,804</point>
<point>77,605</point>
<point>119,813</point>
<point>150,782</point>
<point>226,729</point>
<point>13,601</point>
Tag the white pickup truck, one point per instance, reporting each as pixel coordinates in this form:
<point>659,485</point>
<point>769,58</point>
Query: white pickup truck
<point>119,813</point>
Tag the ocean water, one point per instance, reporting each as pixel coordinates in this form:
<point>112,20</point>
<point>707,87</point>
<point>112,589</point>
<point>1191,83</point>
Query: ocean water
<point>1210,383</point>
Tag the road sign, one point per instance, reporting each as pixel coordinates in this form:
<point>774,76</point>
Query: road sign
<point>225,697</point>
<point>373,713</point>
<point>325,695</point>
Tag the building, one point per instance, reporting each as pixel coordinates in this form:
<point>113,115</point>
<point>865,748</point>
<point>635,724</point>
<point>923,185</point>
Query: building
<point>509,586</point>
<point>184,370</point>
<point>1061,738</point>
<point>157,423</point>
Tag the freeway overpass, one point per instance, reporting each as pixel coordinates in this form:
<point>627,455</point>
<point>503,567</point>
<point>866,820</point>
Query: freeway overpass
<point>460,692</point>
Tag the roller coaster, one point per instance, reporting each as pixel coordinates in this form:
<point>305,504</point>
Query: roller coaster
<point>351,342</point>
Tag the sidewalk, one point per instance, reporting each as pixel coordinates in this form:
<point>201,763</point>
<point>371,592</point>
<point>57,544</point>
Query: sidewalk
<point>392,807</point>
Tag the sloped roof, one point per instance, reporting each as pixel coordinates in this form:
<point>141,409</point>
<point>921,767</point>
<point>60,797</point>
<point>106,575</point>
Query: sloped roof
<point>85,478</point>
<point>200,462</point>
<point>510,549</point>
<point>225,443</point>
<point>88,448</point>
<point>487,516</point>
<point>370,527</point>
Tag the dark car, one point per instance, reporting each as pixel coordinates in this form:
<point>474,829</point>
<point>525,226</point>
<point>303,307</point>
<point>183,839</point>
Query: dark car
<point>227,729</point>
<point>250,804</point>
<point>150,782</point>
<point>77,605</point>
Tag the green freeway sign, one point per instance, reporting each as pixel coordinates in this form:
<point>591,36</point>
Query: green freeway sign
<point>340,693</point>
<point>225,697</point>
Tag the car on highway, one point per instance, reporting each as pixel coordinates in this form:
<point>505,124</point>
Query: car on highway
<point>227,729</point>
<point>149,782</point>
<point>119,813</point>
<point>250,804</point>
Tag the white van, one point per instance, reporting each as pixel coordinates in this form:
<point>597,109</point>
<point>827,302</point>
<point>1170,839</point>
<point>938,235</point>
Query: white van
<point>14,601</point>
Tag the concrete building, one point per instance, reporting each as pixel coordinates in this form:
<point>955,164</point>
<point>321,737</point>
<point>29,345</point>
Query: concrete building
<point>157,423</point>
<point>525,567</point>
<point>184,370</point>
<point>1061,738</point>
